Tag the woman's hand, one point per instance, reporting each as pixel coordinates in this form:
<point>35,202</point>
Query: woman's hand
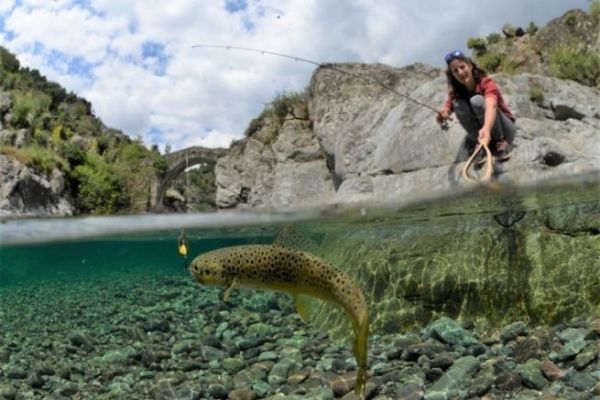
<point>442,115</point>
<point>484,136</point>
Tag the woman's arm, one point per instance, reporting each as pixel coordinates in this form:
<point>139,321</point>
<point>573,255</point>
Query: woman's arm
<point>485,133</point>
<point>444,112</point>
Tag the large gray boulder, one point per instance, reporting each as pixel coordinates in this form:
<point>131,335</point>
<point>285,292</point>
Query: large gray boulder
<point>24,192</point>
<point>376,143</point>
<point>291,171</point>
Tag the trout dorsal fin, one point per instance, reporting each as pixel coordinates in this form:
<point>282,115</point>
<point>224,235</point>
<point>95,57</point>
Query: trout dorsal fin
<point>291,238</point>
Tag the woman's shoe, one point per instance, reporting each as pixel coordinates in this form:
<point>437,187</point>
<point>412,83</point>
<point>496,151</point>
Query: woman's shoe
<point>503,150</point>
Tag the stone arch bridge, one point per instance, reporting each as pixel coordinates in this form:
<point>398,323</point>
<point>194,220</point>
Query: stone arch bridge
<point>178,161</point>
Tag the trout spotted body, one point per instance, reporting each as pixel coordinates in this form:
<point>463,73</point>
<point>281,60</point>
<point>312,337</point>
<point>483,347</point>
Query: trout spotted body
<point>279,268</point>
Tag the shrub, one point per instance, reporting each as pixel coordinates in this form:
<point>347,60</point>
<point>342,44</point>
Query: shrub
<point>99,188</point>
<point>31,79</point>
<point>36,157</point>
<point>595,9</point>
<point>101,144</point>
<point>29,108</point>
<point>160,165</point>
<point>276,111</point>
<point>285,101</point>
<point>7,80</point>
<point>478,45</point>
<point>80,108</point>
<point>56,93</point>
<point>8,61</point>
<point>494,37</point>
<point>491,61</point>
<point>72,154</point>
<point>87,125</point>
<point>569,62</point>
<point>131,153</point>
<point>532,28</point>
<point>40,137</point>
<point>58,134</point>
<point>44,159</point>
<point>571,18</point>
<point>536,93</point>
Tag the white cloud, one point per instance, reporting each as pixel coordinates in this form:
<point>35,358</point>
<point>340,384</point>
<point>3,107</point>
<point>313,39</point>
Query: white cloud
<point>200,96</point>
<point>212,139</point>
<point>72,31</point>
<point>6,5</point>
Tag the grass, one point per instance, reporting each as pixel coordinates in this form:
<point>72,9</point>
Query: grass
<point>39,158</point>
<point>570,62</point>
<point>274,114</point>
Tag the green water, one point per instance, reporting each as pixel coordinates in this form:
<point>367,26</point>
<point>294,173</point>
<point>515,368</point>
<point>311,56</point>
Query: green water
<point>97,259</point>
<point>485,256</point>
<point>87,250</point>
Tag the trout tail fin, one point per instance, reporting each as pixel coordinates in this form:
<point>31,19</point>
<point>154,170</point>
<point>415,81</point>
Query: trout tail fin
<point>360,352</point>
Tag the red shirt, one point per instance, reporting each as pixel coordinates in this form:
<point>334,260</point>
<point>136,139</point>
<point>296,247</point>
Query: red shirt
<point>487,88</point>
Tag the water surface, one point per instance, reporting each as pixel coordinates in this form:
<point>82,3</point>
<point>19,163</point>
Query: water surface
<point>95,292</point>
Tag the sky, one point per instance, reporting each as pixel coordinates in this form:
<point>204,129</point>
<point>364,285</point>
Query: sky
<point>135,62</point>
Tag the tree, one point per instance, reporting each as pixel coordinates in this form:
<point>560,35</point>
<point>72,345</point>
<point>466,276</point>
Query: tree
<point>532,28</point>
<point>8,61</point>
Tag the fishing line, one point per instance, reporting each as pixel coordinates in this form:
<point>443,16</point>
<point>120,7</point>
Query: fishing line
<point>187,181</point>
<point>318,64</point>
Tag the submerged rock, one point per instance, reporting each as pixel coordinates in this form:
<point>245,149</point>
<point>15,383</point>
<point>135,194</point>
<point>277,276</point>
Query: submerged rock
<point>531,374</point>
<point>450,332</point>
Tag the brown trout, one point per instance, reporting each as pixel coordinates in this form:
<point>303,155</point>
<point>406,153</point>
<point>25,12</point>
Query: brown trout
<point>282,269</point>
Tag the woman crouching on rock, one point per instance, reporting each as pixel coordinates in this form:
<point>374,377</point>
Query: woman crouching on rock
<point>476,100</point>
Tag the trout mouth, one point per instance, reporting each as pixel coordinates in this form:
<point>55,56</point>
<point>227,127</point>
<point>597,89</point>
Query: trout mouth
<point>197,276</point>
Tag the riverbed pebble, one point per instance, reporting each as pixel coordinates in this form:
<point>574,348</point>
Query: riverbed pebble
<point>164,337</point>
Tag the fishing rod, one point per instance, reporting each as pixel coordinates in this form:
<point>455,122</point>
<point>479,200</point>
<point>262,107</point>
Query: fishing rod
<point>318,64</point>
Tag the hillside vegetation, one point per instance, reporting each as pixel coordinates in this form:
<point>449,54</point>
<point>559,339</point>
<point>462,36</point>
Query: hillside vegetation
<point>567,47</point>
<point>47,128</point>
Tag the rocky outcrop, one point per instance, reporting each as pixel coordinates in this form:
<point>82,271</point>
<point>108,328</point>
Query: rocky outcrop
<point>290,172</point>
<point>533,52</point>
<point>23,192</point>
<point>362,141</point>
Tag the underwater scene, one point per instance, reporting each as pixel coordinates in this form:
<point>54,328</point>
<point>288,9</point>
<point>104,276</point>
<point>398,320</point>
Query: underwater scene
<point>489,294</point>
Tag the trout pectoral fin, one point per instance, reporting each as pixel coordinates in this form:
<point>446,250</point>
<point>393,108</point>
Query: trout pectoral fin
<point>302,306</point>
<point>228,290</point>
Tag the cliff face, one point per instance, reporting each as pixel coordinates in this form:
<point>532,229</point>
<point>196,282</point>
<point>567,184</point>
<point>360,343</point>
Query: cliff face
<point>361,141</point>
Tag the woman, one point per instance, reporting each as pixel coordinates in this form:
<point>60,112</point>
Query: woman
<point>476,100</point>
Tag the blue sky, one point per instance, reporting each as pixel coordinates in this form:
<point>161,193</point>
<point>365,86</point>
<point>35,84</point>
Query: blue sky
<point>134,60</point>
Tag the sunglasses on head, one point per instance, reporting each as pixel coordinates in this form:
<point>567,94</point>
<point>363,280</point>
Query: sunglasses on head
<point>452,55</point>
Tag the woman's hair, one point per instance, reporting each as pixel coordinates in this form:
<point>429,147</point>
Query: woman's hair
<point>455,88</point>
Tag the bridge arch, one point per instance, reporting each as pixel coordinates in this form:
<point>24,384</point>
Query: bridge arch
<point>178,161</point>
